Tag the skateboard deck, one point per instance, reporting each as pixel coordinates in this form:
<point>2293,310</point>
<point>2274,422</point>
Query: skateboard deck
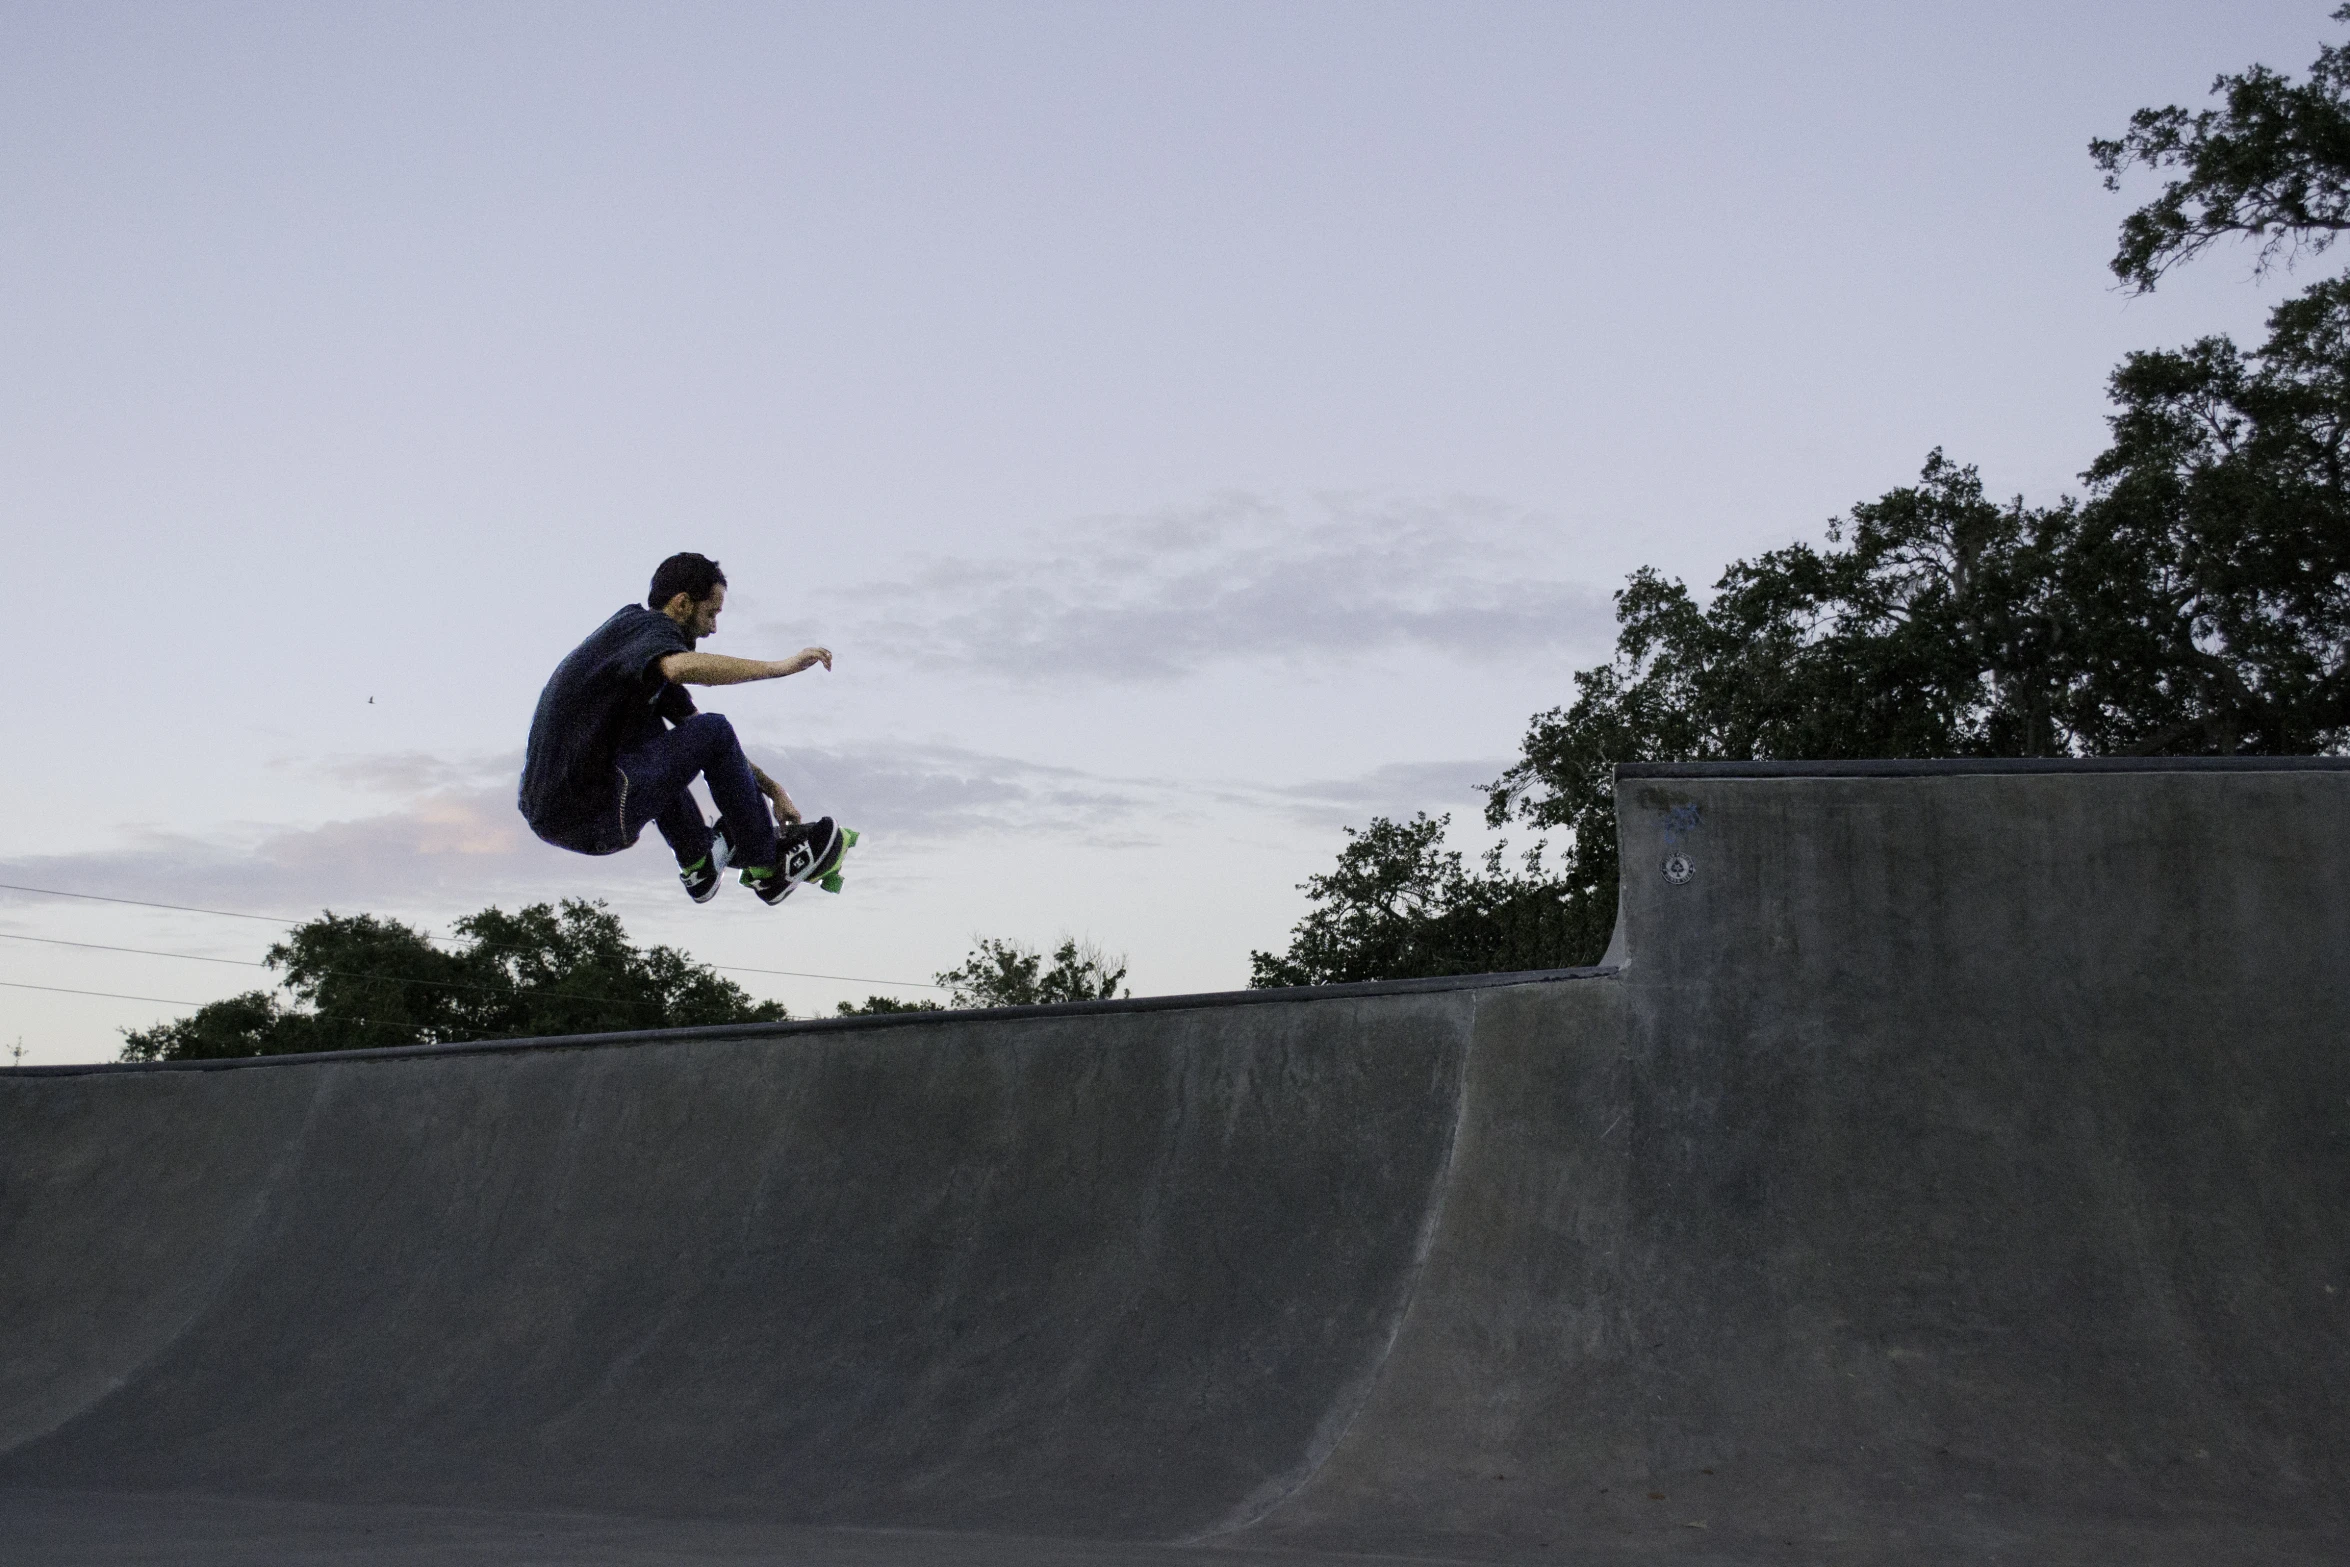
<point>830,881</point>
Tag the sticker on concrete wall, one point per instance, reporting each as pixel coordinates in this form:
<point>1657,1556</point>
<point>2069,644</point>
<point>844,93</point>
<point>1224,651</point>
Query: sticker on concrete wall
<point>1679,868</point>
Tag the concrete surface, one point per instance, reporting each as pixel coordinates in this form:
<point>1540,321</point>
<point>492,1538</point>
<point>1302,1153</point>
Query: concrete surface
<point>1953,1165</point>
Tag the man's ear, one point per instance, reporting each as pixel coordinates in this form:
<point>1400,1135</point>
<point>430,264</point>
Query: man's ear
<point>680,606</point>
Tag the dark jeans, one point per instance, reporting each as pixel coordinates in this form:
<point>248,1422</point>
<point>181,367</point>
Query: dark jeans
<point>659,771</point>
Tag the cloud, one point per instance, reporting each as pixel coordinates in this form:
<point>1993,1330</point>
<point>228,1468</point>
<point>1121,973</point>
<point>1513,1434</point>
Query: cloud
<point>1399,789</point>
<point>449,850</point>
<point>910,792</point>
<point>405,773</point>
<point>444,848</point>
<point>935,793</point>
<point>1157,597</point>
<point>458,848</point>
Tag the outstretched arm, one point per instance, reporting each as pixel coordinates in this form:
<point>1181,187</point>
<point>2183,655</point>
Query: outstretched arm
<point>716,669</point>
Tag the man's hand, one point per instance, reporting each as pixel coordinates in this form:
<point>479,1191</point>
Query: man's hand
<point>804,658</point>
<point>786,813</point>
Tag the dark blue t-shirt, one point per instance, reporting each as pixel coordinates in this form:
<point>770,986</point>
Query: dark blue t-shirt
<point>606,697</point>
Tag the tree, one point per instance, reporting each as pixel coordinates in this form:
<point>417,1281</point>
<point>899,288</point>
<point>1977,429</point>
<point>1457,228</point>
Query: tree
<point>2271,164</point>
<point>1934,630</point>
<point>574,971</point>
<point>1004,972</point>
<point>2198,602</point>
<point>1009,973</point>
<point>878,1005</point>
<point>357,981</point>
<point>2215,553</point>
<point>1399,905</point>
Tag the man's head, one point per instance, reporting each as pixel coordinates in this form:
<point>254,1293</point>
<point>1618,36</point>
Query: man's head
<point>691,590</point>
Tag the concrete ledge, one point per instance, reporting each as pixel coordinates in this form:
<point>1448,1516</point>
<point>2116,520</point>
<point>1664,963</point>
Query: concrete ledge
<point>1202,1000</point>
<point>1958,767</point>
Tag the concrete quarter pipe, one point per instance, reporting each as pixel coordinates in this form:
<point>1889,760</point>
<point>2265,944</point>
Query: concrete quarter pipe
<point>1950,1162</point>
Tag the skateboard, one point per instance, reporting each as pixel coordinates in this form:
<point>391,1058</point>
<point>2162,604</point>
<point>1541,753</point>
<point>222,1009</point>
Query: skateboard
<point>830,881</point>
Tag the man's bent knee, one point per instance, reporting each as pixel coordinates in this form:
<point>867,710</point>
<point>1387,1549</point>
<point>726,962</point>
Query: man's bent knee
<point>711,734</point>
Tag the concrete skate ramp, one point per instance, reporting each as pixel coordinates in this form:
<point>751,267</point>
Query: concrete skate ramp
<point>1951,1163</point>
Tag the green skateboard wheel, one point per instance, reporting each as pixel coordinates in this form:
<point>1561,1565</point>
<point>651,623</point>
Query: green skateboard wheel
<point>831,883</point>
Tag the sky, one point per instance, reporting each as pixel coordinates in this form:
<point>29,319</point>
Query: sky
<point>1195,428</point>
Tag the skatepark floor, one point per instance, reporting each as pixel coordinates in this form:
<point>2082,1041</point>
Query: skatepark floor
<point>86,1529</point>
<point>59,1528</point>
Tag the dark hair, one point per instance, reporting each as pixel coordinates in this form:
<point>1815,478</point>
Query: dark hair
<point>695,576</point>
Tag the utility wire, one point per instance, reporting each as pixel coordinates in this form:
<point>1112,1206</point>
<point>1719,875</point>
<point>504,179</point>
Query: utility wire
<point>846,979</point>
<point>116,995</point>
<point>141,903</point>
<point>144,952</point>
<point>111,995</point>
<point>272,919</point>
<point>323,1017</point>
<point>341,973</point>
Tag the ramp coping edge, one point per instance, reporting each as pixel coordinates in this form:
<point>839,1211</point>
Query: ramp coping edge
<point>823,1025</point>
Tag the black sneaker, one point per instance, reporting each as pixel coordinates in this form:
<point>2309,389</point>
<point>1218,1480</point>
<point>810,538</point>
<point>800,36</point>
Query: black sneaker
<point>701,877</point>
<point>805,852</point>
<point>770,887</point>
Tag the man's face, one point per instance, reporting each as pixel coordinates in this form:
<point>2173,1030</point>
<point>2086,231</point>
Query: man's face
<point>697,618</point>
<point>706,612</point>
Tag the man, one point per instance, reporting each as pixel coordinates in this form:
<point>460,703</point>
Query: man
<point>616,740</point>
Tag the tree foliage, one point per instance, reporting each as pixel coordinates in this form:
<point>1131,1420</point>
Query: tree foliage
<point>2214,561</point>
<point>1929,626</point>
<point>357,981</point>
<point>1400,905</point>
<point>873,1006</point>
<point>1006,972</point>
<point>1932,624</point>
<point>2271,164</point>
<point>1001,972</point>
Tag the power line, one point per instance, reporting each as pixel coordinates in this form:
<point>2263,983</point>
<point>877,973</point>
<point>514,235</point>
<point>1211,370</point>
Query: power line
<point>323,1017</point>
<point>141,903</point>
<point>346,1018</point>
<point>111,995</point>
<point>344,973</point>
<point>144,952</point>
<point>272,919</point>
<point>846,979</point>
<point>116,995</point>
